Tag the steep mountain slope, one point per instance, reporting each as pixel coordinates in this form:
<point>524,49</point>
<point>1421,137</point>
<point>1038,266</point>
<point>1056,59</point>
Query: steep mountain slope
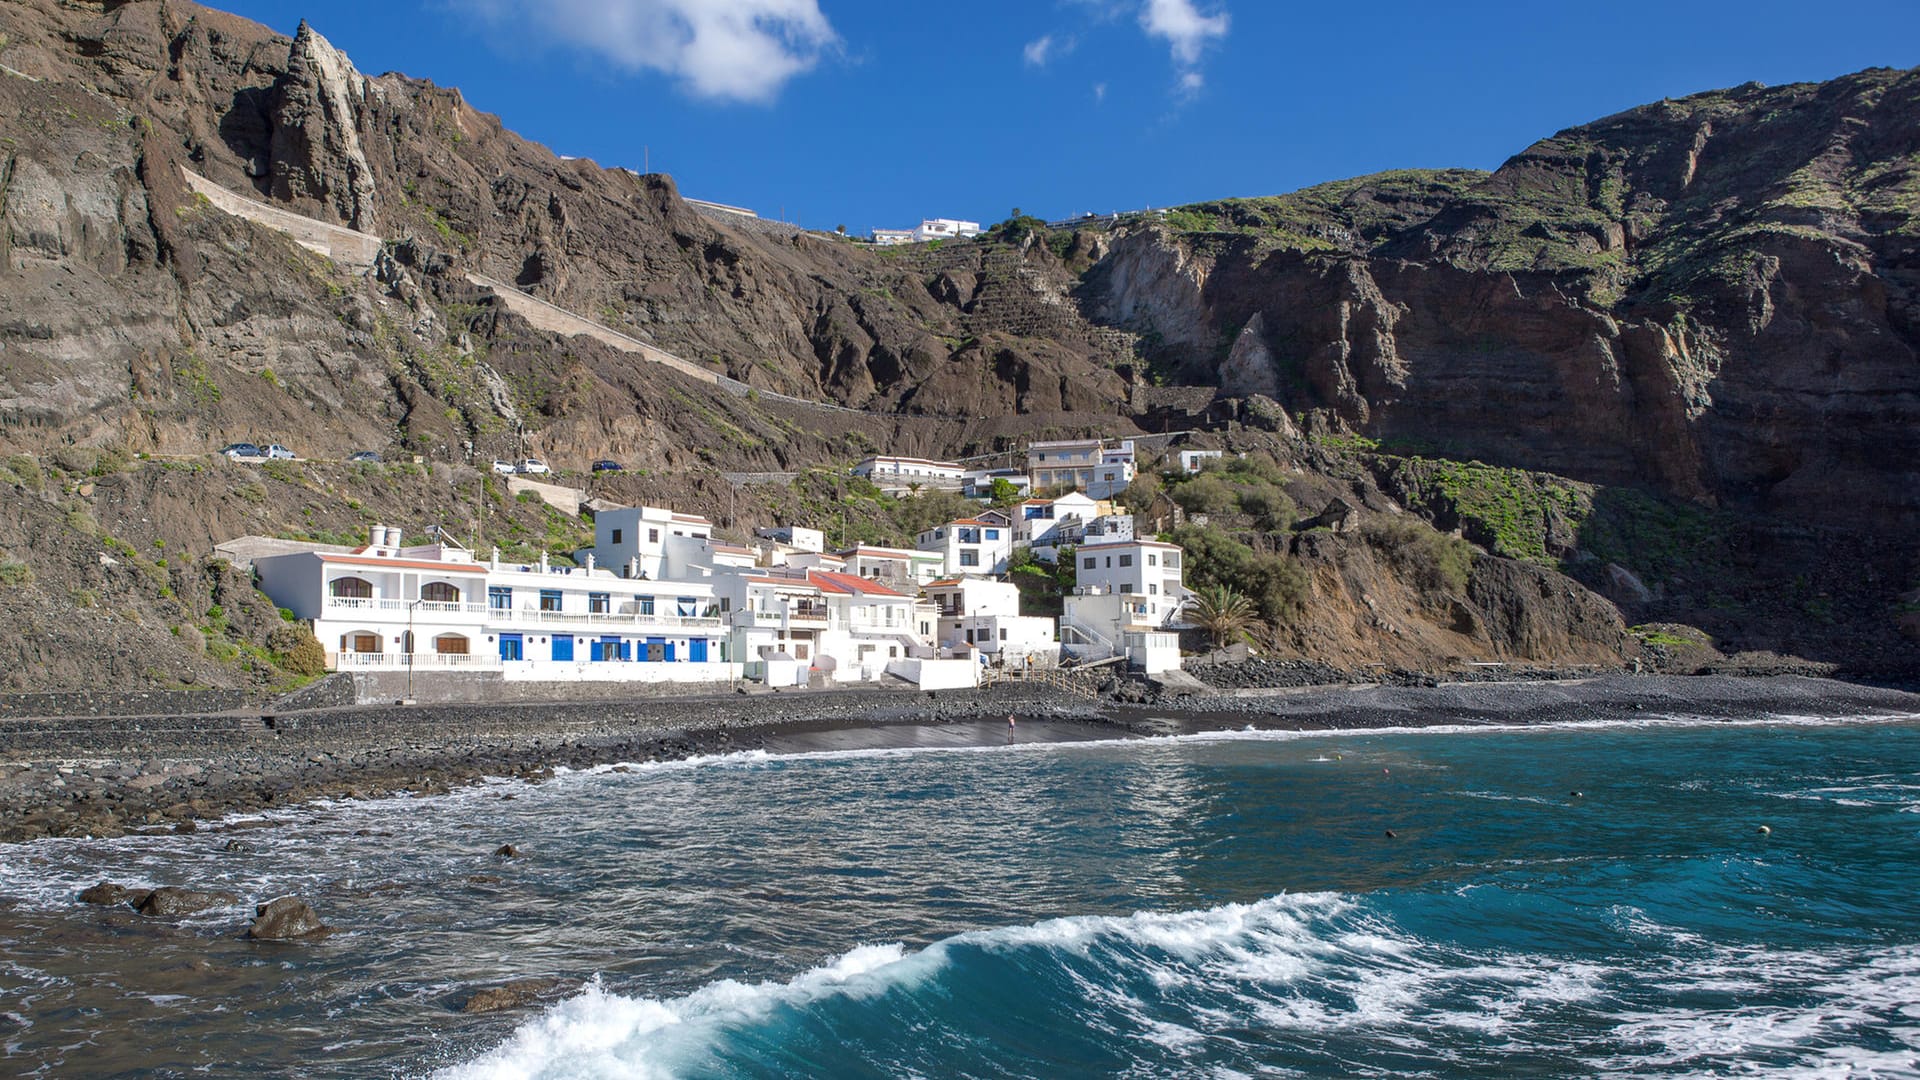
<point>1718,295</point>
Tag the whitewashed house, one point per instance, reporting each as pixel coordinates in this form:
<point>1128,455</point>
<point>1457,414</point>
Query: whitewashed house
<point>900,475</point>
<point>896,567</point>
<point>1127,600</point>
<point>1046,525</point>
<point>649,541</point>
<point>945,229</point>
<point>977,545</point>
<point>869,626</point>
<point>1192,461</point>
<point>983,615</point>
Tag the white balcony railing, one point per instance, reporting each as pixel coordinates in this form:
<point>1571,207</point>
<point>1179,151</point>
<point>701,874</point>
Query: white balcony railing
<point>420,607</point>
<point>518,616</point>
<point>422,661</point>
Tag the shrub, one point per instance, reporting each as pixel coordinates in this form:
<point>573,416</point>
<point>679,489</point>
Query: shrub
<point>296,650</point>
<point>1432,561</point>
<point>14,572</point>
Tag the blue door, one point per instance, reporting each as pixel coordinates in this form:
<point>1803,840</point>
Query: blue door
<point>563,646</point>
<point>656,648</point>
<point>697,650</point>
<point>511,647</point>
<point>607,648</point>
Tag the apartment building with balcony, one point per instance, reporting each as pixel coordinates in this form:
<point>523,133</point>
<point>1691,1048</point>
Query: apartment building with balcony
<point>1085,465</point>
<point>437,607</point>
<point>1127,600</point>
<point>897,568</point>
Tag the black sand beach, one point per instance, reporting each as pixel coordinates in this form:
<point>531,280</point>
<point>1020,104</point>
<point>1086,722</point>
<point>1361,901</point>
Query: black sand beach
<point>108,776</point>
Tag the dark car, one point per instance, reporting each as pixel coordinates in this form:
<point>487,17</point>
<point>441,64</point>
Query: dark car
<point>243,449</point>
<point>363,455</point>
<point>606,465</point>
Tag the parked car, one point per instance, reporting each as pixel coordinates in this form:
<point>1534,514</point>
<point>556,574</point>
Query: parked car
<point>606,465</point>
<point>275,450</point>
<point>533,467</point>
<point>363,455</point>
<point>243,449</point>
<point>504,468</point>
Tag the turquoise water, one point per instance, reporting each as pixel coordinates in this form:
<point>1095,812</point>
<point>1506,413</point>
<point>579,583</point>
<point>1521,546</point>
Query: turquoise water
<point>1213,906</point>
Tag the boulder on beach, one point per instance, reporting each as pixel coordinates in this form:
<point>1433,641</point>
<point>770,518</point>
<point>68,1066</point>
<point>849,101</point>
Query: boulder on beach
<point>107,894</point>
<point>286,919</point>
<point>510,995</point>
<point>169,901</point>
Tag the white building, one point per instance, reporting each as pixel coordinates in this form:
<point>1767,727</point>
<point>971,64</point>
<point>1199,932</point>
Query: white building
<point>1127,600</point>
<point>930,229</point>
<point>945,229</point>
<point>976,545</point>
<point>897,568</point>
<point>869,626</point>
<point>898,475</point>
<point>649,541</point>
<point>1046,525</point>
<point>795,538</point>
<point>435,607</point>
<point>1191,461</point>
<point>982,614</point>
<point>978,483</point>
<point>1087,465</point>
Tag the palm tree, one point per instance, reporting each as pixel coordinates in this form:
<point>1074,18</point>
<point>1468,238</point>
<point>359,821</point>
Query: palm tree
<point>1224,614</point>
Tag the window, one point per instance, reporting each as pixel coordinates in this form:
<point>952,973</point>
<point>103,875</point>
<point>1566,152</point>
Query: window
<point>686,605</point>
<point>1109,562</point>
<point>1126,560</point>
<point>893,652</point>
<point>653,536</point>
<point>352,588</point>
<point>1003,633</point>
<point>599,603</point>
<point>549,599</point>
<point>500,598</point>
<point>645,603</point>
<point>1089,563</point>
<point>969,558</point>
<point>969,637</point>
<point>616,536</point>
<point>993,534</point>
<point>1173,560</point>
<point>439,592</point>
<point>1153,589</point>
<point>450,645</point>
<point>799,651</point>
<point>1126,586</point>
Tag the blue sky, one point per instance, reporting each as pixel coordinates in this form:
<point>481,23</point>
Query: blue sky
<point>881,112</point>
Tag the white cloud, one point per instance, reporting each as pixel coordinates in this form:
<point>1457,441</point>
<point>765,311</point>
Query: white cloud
<point>1186,31</point>
<point>1037,50</point>
<point>1099,92</point>
<point>725,50</point>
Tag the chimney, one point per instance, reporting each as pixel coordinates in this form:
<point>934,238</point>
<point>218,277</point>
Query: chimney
<point>589,562</point>
<point>543,562</point>
<point>377,538</point>
<point>393,538</point>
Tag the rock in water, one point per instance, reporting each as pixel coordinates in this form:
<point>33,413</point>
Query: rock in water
<point>169,901</point>
<point>508,995</point>
<point>286,919</point>
<point>507,851</point>
<point>107,894</point>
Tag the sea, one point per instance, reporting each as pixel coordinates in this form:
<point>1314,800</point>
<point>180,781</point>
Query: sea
<point>1665,897</point>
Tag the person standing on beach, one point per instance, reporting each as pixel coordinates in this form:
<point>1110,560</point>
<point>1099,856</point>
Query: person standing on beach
<point>1009,727</point>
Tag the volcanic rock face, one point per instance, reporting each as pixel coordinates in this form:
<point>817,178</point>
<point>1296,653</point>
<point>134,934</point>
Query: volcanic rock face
<point>1718,295</point>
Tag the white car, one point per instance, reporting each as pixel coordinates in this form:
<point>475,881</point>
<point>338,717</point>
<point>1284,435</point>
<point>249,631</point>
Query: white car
<point>504,468</point>
<point>533,467</point>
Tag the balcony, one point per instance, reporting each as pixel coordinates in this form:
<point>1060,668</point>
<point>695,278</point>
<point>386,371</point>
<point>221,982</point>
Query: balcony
<point>806,616</point>
<point>424,661</point>
<point>420,607</point>
<point>611,620</point>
